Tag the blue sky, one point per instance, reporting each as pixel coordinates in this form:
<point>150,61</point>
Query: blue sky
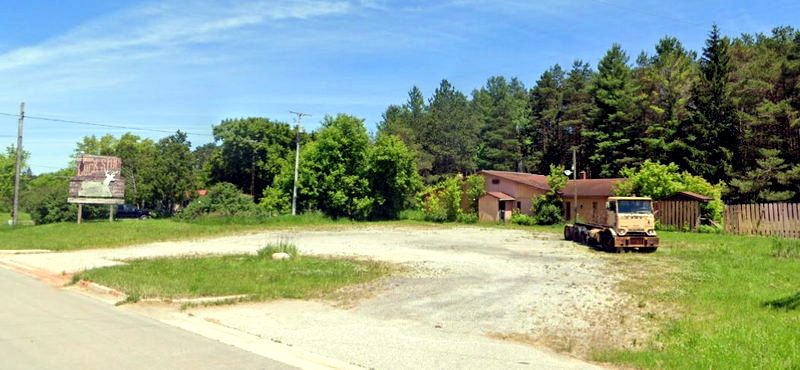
<point>185,64</point>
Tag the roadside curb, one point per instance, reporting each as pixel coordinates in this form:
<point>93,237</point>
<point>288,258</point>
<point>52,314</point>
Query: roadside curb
<point>11,252</point>
<point>101,289</point>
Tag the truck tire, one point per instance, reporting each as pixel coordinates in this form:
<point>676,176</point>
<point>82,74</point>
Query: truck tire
<point>567,232</point>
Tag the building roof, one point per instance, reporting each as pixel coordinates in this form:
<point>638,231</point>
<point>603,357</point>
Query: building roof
<point>536,181</point>
<point>689,195</point>
<point>590,187</point>
<point>500,196</point>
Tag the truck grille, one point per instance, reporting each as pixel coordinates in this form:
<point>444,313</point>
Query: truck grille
<point>636,241</point>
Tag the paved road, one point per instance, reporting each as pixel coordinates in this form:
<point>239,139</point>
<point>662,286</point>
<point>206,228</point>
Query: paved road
<point>42,327</point>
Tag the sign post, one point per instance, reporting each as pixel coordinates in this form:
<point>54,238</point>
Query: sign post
<point>97,181</point>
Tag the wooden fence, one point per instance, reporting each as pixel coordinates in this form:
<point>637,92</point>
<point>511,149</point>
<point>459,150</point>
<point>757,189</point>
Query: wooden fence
<point>677,213</point>
<point>777,219</point>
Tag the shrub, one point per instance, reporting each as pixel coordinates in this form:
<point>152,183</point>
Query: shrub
<point>520,218</point>
<point>222,199</point>
<point>467,218</point>
<point>412,214</point>
<point>442,202</point>
<point>708,229</point>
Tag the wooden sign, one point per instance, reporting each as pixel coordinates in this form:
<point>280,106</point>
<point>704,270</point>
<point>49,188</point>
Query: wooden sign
<point>98,180</point>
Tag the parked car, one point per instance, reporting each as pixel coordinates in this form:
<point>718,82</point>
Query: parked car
<point>130,211</point>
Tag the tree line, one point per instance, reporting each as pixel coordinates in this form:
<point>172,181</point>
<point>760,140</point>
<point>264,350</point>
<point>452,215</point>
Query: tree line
<point>729,115</point>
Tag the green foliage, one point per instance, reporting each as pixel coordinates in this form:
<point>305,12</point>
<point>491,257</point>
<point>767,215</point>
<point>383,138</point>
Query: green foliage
<point>711,130</point>
<point>392,175</point>
<point>656,180</point>
<point>548,208</point>
<point>500,109</point>
<point>8,162</point>
<point>708,229</point>
<point>442,202</point>
<point>474,190</point>
<point>333,173</point>
<point>223,199</point>
<point>251,152</point>
<point>615,130</point>
<point>520,218</point>
<point>173,179</point>
<point>46,198</point>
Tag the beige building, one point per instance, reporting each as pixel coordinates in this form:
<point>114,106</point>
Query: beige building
<point>507,191</point>
<point>592,197</point>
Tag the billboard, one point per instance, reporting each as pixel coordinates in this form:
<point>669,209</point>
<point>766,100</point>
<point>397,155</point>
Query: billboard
<point>98,180</point>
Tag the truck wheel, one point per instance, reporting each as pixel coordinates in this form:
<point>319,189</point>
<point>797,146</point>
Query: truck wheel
<point>567,233</point>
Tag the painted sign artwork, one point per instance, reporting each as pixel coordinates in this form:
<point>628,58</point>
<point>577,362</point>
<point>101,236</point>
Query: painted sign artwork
<point>97,180</point>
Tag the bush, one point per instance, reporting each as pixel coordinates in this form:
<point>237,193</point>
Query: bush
<point>222,199</point>
<point>442,202</point>
<point>520,218</point>
<point>467,218</point>
<point>412,214</point>
<point>548,211</point>
<point>708,229</point>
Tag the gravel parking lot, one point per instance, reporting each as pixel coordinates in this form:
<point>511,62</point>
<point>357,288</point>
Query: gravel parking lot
<point>465,289</point>
<point>468,297</point>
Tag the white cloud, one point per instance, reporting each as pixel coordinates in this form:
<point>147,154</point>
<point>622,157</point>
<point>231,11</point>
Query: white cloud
<point>164,25</point>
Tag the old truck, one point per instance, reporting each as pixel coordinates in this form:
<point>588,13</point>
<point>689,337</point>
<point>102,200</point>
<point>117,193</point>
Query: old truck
<point>630,224</point>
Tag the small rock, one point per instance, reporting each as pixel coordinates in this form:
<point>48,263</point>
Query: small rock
<point>281,256</point>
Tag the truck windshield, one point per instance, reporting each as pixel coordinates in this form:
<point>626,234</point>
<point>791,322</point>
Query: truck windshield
<point>634,206</point>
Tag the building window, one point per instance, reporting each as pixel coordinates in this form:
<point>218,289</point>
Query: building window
<point>519,205</point>
<point>495,181</point>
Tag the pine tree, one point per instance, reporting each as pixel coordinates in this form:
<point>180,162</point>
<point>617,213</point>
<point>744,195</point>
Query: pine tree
<point>710,135</point>
<point>615,129</point>
<point>666,80</point>
<point>450,133</point>
<point>546,139</point>
<point>501,111</point>
<point>579,107</point>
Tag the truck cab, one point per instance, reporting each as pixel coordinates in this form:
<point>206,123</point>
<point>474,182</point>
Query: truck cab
<point>632,216</point>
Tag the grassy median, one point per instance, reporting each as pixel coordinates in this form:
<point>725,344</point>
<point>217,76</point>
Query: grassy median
<point>257,276</point>
<point>730,302</point>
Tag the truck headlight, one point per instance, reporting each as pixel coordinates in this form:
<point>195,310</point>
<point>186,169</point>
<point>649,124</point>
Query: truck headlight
<point>651,232</point>
<point>622,232</point>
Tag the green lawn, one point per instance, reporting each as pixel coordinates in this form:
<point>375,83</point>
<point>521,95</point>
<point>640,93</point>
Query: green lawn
<point>258,276</point>
<point>736,305</point>
<point>104,234</point>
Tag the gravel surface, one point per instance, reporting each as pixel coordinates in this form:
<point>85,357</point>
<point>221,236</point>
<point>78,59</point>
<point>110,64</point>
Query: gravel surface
<point>465,287</point>
<point>470,297</point>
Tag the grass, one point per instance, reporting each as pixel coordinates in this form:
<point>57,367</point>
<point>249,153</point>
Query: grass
<point>257,276</point>
<point>103,234</point>
<point>24,219</point>
<point>736,302</point>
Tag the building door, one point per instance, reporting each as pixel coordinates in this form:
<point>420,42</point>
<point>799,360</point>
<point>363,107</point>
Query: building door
<point>568,210</point>
<point>502,207</point>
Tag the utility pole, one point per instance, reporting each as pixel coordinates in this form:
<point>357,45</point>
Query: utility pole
<point>575,182</point>
<point>300,116</point>
<point>15,218</point>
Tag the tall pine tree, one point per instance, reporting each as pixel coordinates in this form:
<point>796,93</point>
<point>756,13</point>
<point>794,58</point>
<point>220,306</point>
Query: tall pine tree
<point>710,136</point>
<point>615,130</point>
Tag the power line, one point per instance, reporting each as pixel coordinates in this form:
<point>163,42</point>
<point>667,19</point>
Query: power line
<point>103,124</point>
